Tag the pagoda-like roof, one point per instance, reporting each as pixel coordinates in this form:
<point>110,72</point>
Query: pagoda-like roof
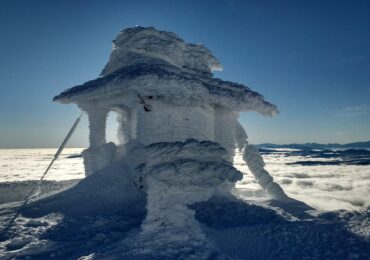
<point>148,62</point>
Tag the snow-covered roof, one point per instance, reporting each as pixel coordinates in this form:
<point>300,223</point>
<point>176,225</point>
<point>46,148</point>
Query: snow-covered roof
<point>149,62</point>
<point>133,45</point>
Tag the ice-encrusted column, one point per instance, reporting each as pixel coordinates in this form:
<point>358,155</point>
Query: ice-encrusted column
<point>97,126</point>
<point>225,124</point>
<point>99,154</point>
<point>123,131</point>
<point>257,167</point>
<point>126,118</point>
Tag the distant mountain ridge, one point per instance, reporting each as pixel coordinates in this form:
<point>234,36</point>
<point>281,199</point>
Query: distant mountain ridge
<point>356,145</point>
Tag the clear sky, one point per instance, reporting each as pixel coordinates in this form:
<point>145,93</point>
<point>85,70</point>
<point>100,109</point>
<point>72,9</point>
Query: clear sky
<point>311,58</point>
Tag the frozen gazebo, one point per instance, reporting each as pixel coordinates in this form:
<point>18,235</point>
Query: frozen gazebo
<point>178,130</point>
<point>163,90</point>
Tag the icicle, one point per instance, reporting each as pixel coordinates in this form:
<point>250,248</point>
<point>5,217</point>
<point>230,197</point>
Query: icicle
<point>256,165</point>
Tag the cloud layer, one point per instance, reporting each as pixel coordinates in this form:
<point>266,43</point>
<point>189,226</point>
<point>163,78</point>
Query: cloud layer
<point>325,187</point>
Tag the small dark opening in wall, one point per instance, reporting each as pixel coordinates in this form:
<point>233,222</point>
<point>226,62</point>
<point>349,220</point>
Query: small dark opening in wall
<point>150,97</point>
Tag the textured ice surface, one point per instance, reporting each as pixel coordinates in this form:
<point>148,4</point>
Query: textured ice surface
<point>133,45</point>
<point>97,158</point>
<point>18,191</point>
<point>172,85</point>
<point>257,166</point>
<point>174,176</point>
<point>166,123</point>
<point>155,63</point>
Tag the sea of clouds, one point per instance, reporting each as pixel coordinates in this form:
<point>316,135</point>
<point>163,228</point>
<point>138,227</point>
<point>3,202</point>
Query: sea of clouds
<point>325,187</point>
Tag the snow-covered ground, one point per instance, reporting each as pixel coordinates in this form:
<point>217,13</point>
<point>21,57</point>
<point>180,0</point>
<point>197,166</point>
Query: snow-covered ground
<point>92,220</point>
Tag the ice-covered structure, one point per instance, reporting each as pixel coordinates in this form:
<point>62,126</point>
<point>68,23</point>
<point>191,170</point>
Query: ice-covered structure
<point>163,90</point>
<point>164,192</point>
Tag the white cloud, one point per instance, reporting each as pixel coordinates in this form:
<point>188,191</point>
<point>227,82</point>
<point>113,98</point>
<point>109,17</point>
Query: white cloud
<point>325,187</point>
<point>352,111</point>
<point>339,133</point>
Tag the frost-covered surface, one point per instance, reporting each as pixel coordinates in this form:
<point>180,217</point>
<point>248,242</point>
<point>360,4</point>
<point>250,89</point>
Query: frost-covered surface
<point>166,123</point>
<point>155,63</point>
<point>257,167</point>
<point>17,191</point>
<point>97,158</point>
<point>231,228</point>
<point>174,176</point>
<point>171,85</point>
<point>133,45</point>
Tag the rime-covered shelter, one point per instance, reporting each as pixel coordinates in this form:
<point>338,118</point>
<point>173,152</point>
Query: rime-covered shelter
<point>163,89</point>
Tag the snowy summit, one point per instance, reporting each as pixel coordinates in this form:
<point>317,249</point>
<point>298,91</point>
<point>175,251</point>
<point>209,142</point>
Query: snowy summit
<point>167,190</point>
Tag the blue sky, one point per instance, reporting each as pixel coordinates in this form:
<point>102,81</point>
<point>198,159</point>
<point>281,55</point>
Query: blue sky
<point>311,58</point>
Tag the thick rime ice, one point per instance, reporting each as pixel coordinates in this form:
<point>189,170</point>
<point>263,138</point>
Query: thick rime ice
<point>240,136</point>
<point>159,64</point>
<point>170,84</point>
<point>97,158</point>
<point>166,123</point>
<point>163,91</point>
<point>256,165</point>
<point>134,45</point>
<point>174,176</point>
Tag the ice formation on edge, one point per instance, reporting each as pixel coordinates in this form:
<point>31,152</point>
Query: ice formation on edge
<point>256,165</point>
